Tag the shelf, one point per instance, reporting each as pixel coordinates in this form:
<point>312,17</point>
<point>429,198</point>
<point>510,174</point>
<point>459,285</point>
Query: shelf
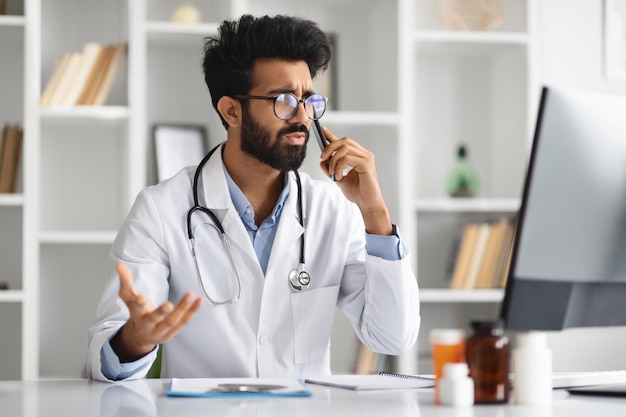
<point>74,237</point>
<point>479,205</point>
<point>428,295</point>
<point>11,296</point>
<point>8,20</point>
<point>361,118</point>
<point>12,200</point>
<point>471,37</point>
<point>177,32</point>
<point>85,113</point>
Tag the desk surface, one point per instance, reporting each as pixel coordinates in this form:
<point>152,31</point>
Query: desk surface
<point>147,398</point>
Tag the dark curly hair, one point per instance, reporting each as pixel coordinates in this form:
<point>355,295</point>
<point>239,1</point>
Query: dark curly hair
<point>229,57</point>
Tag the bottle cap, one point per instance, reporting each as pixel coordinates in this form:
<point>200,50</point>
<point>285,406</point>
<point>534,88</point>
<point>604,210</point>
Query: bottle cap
<point>455,370</point>
<point>532,340</point>
<point>447,336</point>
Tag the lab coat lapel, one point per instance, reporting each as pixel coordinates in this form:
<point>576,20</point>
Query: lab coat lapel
<point>286,242</point>
<point>216,197</point>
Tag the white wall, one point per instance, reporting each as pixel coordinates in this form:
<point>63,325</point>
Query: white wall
<point>571,56</point>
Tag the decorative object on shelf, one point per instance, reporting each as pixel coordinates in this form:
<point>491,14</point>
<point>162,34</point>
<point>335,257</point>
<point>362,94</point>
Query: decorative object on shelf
<point>4,285</point>
<point>2,4</point>
<point>84,78</point>
<point>462,181</point>
<point>186,13</point>
<point>325,82</point>
<point>178,146</point>
<point>470,14</point>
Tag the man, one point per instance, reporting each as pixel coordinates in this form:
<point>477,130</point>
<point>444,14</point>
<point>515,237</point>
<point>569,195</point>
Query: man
<point>296,248</point>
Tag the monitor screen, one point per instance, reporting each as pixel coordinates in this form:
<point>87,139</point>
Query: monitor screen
<point>568,267</point>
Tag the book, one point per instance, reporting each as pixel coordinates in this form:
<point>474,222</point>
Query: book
<point>95,74</point>
<point>112,68</point>
<point>53,83</point>
<point>65,79</point>
<point>464,256</point>
<point>495,246</point>
<point>382,381</point>
<point>237,387</point>
<point>94,86</point>
<point>504,273</point>
<point>11,152</point>
<point>85,63</point>
<point>484,229</point>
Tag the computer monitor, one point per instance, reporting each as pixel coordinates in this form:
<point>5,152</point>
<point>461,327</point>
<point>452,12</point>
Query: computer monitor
<point>568,267</point>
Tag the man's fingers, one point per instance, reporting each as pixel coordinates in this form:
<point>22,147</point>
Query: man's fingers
<point>184,311</point>
<point>126,281</point>
<point>127,293</point>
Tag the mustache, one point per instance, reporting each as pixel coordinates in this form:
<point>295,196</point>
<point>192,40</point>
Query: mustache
<point>294,129</point>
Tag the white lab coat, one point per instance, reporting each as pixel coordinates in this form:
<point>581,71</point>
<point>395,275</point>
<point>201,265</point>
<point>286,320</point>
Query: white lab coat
<point>271,331</point>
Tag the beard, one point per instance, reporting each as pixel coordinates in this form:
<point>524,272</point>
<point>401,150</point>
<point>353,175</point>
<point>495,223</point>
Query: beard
<point>255,141</point>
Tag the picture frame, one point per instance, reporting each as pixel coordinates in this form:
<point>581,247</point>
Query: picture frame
<point>615,40</point>
<point>177,146</point>
<point>325,83</point>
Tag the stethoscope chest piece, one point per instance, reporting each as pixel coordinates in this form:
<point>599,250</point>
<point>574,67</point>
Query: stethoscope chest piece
<point>299,279</point>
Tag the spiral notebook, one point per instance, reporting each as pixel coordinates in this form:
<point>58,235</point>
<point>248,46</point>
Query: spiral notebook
<point>382,381</point>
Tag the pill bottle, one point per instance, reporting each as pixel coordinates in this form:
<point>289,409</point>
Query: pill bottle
<point>532,369</point>
<point>456,388</point>
<point>487,356</point>
<point>448,346</point>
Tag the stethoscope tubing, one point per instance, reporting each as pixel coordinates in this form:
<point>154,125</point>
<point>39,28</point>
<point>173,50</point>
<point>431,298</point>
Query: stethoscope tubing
<point>298,278</point>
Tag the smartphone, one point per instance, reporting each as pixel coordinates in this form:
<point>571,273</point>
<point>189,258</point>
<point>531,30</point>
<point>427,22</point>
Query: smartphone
<point>321,138</point>
<point>319,134</point>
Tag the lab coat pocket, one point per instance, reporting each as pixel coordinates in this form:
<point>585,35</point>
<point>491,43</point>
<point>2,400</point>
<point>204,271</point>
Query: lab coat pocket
<point>313,312</point>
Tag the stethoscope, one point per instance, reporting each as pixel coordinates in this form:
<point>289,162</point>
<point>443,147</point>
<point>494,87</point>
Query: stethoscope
<point>299,279</point>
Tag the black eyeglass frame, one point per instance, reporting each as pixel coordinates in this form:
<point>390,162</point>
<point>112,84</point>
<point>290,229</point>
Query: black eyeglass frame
<point>295,109</point>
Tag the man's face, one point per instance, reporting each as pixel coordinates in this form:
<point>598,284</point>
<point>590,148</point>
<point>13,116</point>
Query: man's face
<point>281,144</point>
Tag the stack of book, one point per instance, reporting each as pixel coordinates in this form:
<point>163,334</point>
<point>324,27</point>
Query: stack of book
<point>483,255</point>
<point>84,78</point>
<point>10,154</point>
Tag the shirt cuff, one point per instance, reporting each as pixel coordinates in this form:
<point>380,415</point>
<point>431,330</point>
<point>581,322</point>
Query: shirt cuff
<point>114,370</point>
<point>389,248</point>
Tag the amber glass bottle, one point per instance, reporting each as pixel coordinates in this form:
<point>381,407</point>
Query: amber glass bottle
<point>487,355</point>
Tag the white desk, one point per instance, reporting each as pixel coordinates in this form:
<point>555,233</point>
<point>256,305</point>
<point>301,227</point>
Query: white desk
<point>146,398</point>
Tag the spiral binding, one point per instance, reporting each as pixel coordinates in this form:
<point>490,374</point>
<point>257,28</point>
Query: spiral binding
<point>405,376</point>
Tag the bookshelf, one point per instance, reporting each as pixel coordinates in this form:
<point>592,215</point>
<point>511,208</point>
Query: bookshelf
<point>477,88</point>
<point>404,87</point>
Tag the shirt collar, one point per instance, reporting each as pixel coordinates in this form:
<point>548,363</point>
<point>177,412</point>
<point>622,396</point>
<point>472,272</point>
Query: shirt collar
<point>243,206</point>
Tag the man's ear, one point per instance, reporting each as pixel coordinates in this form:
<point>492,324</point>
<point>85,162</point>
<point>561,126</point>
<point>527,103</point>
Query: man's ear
<point>230,110</point>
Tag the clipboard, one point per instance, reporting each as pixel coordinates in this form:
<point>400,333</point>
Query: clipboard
<point>237,387</point>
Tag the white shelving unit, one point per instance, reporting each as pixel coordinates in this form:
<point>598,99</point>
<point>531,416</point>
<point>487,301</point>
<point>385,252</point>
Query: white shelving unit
<point>406,89</point>
<point>15,305</point>
<point>472,87</point>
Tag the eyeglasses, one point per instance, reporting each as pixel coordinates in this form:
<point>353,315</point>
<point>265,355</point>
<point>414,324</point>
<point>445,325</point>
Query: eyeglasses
<point>286,104</point>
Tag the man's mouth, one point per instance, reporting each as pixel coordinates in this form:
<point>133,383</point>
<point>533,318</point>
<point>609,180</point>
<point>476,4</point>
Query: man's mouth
<point>296,138</point>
